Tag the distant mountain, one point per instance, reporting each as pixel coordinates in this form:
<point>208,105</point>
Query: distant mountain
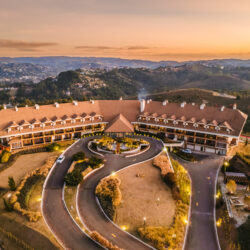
<point>24,69</point>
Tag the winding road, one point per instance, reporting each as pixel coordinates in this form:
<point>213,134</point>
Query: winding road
<point>88,208</point>
<point>201,233</point>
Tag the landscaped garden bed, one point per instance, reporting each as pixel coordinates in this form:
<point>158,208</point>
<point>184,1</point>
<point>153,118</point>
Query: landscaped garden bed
<point>120,145</point>
<point>184,155</point>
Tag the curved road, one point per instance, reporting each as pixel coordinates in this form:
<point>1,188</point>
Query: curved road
<point>54,211</point>
<point>201,233</point>
<point>88,208</point>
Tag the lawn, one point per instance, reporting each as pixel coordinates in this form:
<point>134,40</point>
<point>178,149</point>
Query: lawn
<point>24,163</point>
<point>144,196</point>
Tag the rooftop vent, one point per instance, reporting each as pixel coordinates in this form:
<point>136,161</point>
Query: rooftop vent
<point>75,103</point>
<point>121,98</point>
<point>16,108</point>
<point>222,108</point>
<point>4,106</point>
<point>164,103</point>
<point>193,103</point>
<point>202,106</point>
<point>183,104</point>
<point>142,105</point>
<point>92,101</point>
<point>235,106</point>
<point>56,104</point>
<point>37,106</point>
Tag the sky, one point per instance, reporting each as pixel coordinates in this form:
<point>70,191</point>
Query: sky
<point>139,29</point>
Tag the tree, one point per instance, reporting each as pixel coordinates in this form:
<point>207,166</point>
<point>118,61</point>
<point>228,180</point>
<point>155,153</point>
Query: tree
<point>80,156</point>
<point>5,156</point>
<point>12,183</point>
<point>231,186</point>
<point>247,201</point>
<point>74,178</point>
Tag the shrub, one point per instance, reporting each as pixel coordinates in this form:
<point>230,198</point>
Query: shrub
<point>53,147</point>
<point>170,179</point>
<point>5,156</point>
<point>80,156</point>
<point>8,207</point>
<point>95,162</point>
<point>103,241</point>
<point>163,163</point>
<point>73,179</point>
<point>231,186</point>
<point>109,194</point>
<point>12,183</point>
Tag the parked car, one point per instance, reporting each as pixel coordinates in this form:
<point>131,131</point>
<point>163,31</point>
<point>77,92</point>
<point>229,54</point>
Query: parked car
<point>60,159</point>
<point>187,150</point>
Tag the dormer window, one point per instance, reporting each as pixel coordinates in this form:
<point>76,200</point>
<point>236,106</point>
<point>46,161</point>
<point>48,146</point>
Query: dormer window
<point>147,119</point>
<point>20,128</point>
<point>175,122</point>
<point>165,121</point>
<point>73,121</point>
<point>185,123</point>
<point>196,125</point>
<point>63,122</point>
<point>228,130</point>
<point>206,126</point>
<point>42,125</point>
<point>31,126</point>
<point>217,128</point>
<point>156,119</point>
<point>92,118</point>
<point>82,120</point>
<point>9,130</point>
<point>53,123</point>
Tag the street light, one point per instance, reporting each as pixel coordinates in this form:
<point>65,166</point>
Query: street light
<point>144,223</point>
<point>113,173</point>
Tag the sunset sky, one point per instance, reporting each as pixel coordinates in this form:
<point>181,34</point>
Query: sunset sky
<point>143,29</point>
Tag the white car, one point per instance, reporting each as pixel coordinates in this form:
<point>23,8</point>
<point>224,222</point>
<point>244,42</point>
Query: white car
<point>60,159</point>
<point>188,151</point>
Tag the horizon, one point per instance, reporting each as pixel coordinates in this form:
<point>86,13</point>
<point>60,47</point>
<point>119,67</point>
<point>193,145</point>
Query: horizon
<point>178,31</point>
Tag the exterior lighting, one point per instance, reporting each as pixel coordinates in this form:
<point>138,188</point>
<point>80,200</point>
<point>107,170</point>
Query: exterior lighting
<point>8,195</point>
<point>185,221</point>
<point>226,164</point>
<point>164,149</point>
<point>39,199</point>
<point>218,222</point>
<point>124,228</point>
<point>113,173</point>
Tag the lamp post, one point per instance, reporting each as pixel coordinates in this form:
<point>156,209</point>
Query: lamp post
<point>144,223</point>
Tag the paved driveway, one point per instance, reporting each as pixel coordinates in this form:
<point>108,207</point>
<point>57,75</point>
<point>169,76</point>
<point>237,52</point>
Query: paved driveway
<point>89,211</point>
<point>201,233</point>
<point>55,212</point>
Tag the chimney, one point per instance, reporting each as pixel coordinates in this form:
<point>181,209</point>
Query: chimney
<point>235,106</point>
<point>183,104</point>
<point>37,106</point>
<point>75,103</point>
<point>164,103</point>
<point>222,108</point>
<point>92,101</point>
<point>202,106</point>
<point>56,104</point>
<point>121,98</point>
<point>142,105</point>
<point>193,103</point>
<point>16,108</point>
<point>4,106</point>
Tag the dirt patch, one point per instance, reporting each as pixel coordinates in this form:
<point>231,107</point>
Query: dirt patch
<point>23,165</point>
<point>144,196</point>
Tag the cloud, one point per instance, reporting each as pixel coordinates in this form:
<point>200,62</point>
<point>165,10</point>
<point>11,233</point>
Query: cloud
<point>109,48</point>
<point>23,45</point>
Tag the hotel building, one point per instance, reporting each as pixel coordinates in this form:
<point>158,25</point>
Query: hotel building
<point>200,127</point>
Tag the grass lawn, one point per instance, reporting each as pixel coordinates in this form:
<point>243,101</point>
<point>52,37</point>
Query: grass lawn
<point>70,200</point>
<point>145,196</point>
<point>24,164</point>
<point>35,234</point>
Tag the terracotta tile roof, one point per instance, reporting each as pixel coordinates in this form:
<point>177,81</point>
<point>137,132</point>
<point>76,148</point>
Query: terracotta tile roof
<point>109,109</point>
<point>119,124</point>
